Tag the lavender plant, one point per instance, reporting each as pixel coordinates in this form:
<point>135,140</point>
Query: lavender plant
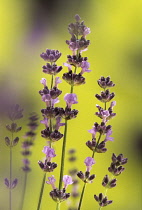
<point>28,142</point>
<point>53,115</point>
<point>98,146</point>
<point>14,113</point>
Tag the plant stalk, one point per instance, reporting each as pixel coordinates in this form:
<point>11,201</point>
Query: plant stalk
<point>96,145</point>
<point>63,156</point>
<point>81,198</point>
<point>41,192</point>
<point>24,190</point>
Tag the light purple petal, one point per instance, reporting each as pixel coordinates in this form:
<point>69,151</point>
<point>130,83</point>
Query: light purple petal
<point>113,103</point>
<point>67,180</point>
<point>51,181</point>
<point>70,99</point>
<point>45,122</point>
<point>50,153</point>
<point>43,81</point>
<point>58,124</point>
<point>68,65</point>
<point>57,81</point>
<point>54,101</point>
<point>46,98</point>
<point>89,161</point>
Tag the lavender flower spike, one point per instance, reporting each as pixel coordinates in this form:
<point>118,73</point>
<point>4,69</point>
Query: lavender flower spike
<point>70,99</point>
<point>67,180</point>
<point>50,153</point>
<point>89,162</point>
<point>51,181</point>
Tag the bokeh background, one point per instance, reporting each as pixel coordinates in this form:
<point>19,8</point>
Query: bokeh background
<point>27,29</point>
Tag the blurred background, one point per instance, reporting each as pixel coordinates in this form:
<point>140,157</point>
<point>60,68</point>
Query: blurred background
<point>28,28</point>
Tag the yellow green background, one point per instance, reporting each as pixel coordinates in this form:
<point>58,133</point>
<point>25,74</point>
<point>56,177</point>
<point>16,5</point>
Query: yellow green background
<point>27,28</point>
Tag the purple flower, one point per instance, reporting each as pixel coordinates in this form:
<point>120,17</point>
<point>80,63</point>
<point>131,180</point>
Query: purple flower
<point>108,138</point>
<point>51,55</point>
<point>67,180</point>
<point>93,131</point>
<point>45,122</point>
<point>51,181</point>
<point>70,99</point>
<point>50,153</point>
<point>43,81</point>
<point>49,101</point>
<point>58,124</point>
<point>113,103</point>
<point>46,98</point>
<point>86,31</point>
<point>54,101</point>
<point>68,65</point>
<point>57,81</point>
<point>51,69</point>
<point>85,67</point>
<point>89,162</point>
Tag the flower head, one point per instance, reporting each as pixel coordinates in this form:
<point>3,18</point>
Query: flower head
<point>67,180</point>
<point>51,55</point>
<point>89,162</point>
<point>70,99</point>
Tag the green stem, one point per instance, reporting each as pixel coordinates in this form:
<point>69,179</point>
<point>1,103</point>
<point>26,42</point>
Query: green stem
<point>52,81</point>
<point>58,206</point>
<point>96,145</point>
<point>41,191</point>
<point>105,106</point>
<point>10,192</point>
<point>24,190</point>
<point>63,156</point>
<point>71,88</point>
<point>81,198</point>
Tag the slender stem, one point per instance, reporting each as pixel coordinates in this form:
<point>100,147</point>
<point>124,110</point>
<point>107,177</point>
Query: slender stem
<point>24,190</point>
<point>106,191</point>
<point>71,88</point>
<point>58,206</point>
<point>100,207</point>
<point>10,192</point>
<point>63,156</point>
<point>52,81</point>
<point>96,145</point>
<point>41,191</point>
<point>81,198</point>
<point>75,70</point>
<point>105,106</point>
